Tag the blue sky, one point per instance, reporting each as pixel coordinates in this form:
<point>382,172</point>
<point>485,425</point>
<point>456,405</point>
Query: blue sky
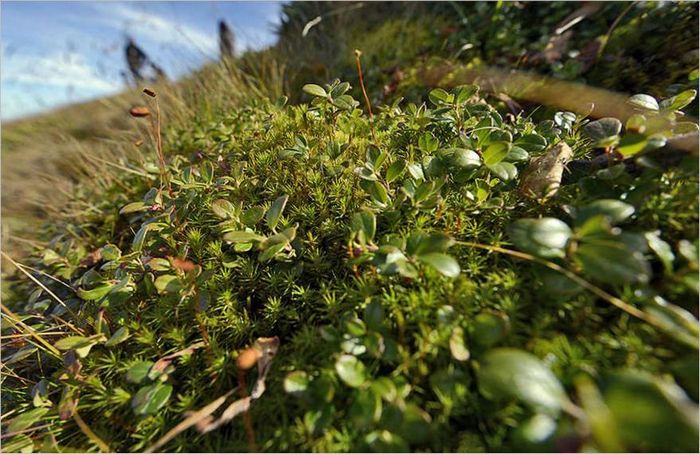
<point>56,53</point>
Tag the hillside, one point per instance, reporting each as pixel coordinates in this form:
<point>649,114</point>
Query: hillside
<point>464,236</point>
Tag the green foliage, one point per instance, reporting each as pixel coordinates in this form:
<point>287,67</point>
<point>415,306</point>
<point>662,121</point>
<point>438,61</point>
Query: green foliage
<point>375,251</point>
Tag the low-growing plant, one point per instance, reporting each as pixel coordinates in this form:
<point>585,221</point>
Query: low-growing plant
<point>421,298</point>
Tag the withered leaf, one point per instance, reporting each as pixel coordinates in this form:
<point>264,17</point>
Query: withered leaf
<point>68,403</point>
<point>543,176</point>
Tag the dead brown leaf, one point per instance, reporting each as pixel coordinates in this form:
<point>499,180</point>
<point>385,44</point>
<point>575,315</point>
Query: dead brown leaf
<point>542,177</point>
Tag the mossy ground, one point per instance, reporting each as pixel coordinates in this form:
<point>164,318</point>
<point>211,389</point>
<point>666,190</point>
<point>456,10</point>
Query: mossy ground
<point>339,234</point>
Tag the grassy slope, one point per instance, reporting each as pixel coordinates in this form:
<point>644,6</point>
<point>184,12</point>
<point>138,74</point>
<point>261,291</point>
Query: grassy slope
<point>219,121</point>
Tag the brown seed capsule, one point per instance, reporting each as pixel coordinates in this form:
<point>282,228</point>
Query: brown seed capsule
<point>139,112</point>
<point>149,92</point>
<point>248,358</point>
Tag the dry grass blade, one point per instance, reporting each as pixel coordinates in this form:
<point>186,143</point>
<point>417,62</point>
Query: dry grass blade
<point>191,420</point>
<point>36,281</point>
<point>19,323</point>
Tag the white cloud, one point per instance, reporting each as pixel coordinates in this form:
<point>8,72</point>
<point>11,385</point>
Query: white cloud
<point>156,28</point>
<point>57,70</point>
<point>31,83</point>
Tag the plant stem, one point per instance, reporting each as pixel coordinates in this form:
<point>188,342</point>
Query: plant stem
<point>615,301</point>
<point>364,93</point>
<point>90,434</point>
<point>247,421</point>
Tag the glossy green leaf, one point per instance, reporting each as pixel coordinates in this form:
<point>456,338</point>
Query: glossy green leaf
<point>110,252</point>
<point>140,237</point>
<point>489,329</point>
<point>466,159</point>
<point>421,243</point>
<point>662,250</point>
<point>315,90</point>
<point>443,263</point>
<point>275,212</point>
<point>395,170</point>
<point>366,408</point>
<point>26,419</point>
<point>96,293</point>
<point>644,102</point>
<point>223,209</point>
<point>345,102</point>
<point>377,192</point>
<point>118,337</point>
<point>149,399</point>
<point>679,101</point>
<point>517,154</point>
<point>365,222</point>
<point>133,207</point>
<point>545,237</point>
<point>271,251</point>
<point>340,89</point>
<point>439,96</point>
<point>531,143</point>
<point>648,412</point>
<point>351,370</point>
<point>504,170</point>
<point>296,382</point>
<point>507,373</point>
<point>243,237</point>
<point>73,342</point>
<point>168,283</point>
<point>611,261</point>
<point>614,211</point>
<point>496,152</point>
<point>138,372</point>
<point>631,144</point>
<point>428,143</point>
<point>603,129</point>
<point>464,92</point>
